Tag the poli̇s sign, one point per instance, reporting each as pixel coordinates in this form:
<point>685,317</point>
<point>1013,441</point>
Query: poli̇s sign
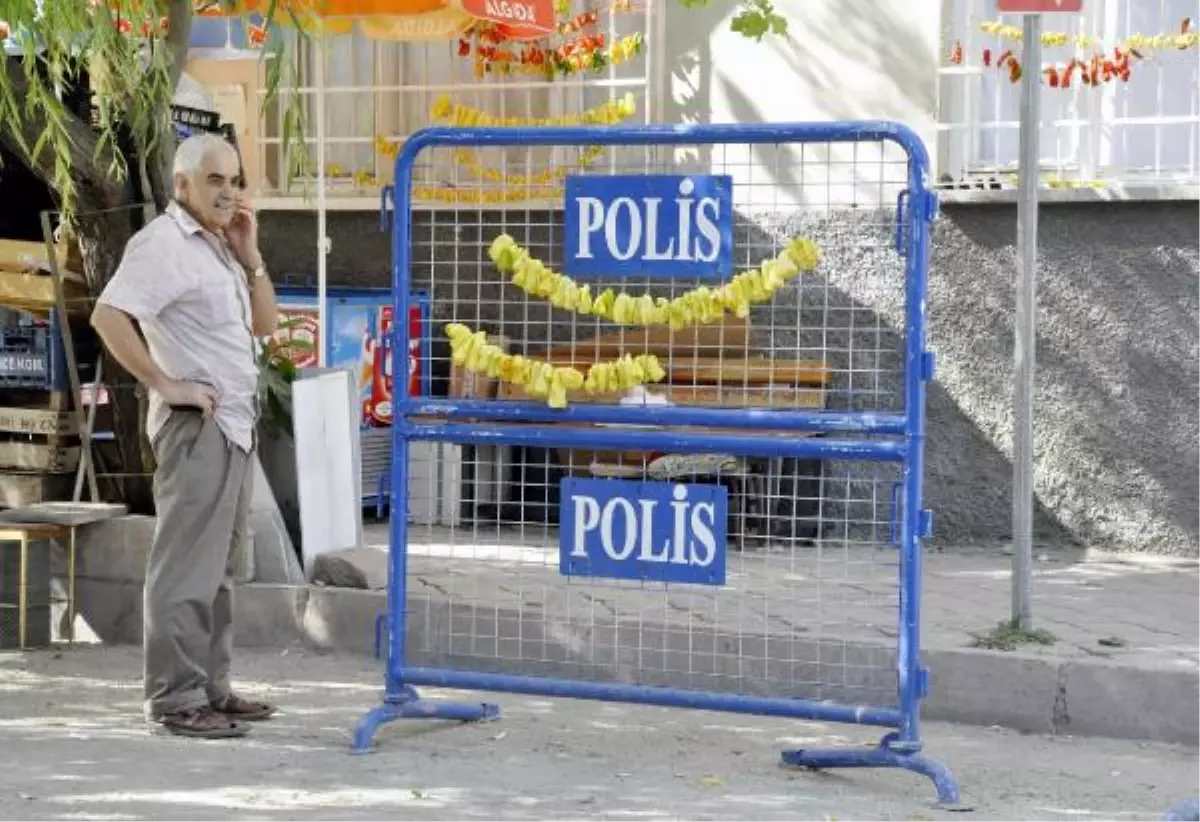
<point>658,225</point>
<point>655,531</point>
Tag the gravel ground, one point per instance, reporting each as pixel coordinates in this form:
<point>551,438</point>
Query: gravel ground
<point>73,746</point>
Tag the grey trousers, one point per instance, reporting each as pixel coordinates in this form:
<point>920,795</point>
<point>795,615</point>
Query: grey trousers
<point>202,494</point>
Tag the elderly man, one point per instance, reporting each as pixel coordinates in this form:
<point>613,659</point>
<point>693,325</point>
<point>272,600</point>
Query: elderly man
<point>194,281</point>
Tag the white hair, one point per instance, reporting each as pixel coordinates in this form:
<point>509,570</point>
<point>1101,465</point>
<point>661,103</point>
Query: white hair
<point>192,151</point>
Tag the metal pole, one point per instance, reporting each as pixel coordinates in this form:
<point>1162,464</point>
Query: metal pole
<point>1026,323</point>
<point>322,238</point>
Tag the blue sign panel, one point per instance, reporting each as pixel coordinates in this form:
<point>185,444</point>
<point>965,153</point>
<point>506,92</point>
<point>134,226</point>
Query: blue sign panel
<point>659,531</point>
<point>658,225</point>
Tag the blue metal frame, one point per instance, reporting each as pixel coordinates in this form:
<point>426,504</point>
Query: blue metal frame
<point>492,423</point>
<point>1186,811</point>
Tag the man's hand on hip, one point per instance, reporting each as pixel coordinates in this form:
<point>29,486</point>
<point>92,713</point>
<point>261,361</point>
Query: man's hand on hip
<point>190,395</point>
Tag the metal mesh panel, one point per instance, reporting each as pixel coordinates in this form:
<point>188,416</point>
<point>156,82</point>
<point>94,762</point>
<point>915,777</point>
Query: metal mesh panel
<point>809,608</point>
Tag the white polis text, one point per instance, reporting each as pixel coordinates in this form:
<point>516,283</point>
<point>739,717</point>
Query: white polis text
<point>643,239</point>
<point>677,548</point>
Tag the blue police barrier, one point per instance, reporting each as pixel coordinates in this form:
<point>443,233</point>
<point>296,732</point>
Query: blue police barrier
<point>624,506</point>
<point>1186,811</point>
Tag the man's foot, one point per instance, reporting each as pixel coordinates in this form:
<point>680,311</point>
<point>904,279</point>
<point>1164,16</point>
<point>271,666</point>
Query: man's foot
<point>246,710</point>
<point>202,723</point>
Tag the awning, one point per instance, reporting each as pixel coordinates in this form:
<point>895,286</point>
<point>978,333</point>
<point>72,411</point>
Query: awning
<point>402,19</point>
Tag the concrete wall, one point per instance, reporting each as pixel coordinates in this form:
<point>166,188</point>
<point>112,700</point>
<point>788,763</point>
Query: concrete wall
<point>1117,401</point>
<point>1119,336</point>
<point>1118,375</point>
<point>870,59</point>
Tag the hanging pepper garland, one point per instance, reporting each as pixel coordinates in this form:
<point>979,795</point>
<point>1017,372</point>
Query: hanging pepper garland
<point>543,183</point>
<point>554,174</point>
<point>494,51</point>
<point>1095,71</point>
<point>590,52</point>
<point>699,306</point>
<point>472,351</point>
<point>488,196</point>
<point>608,113</point>
<point>1185,39</point>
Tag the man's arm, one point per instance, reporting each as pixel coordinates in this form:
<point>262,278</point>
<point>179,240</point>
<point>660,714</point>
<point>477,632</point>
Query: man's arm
<point>264,310</point>
<point>139,290</point>
<point>121,338</point>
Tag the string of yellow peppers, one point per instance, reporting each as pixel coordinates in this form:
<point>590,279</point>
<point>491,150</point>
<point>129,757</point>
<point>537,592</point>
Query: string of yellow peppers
<point>699,306</point>
<point>491,196</point>
<point>554,174</point>
<point>539,186</point>
<point>1186,38</point>
<point>607,113</point>
<point>540,380</point>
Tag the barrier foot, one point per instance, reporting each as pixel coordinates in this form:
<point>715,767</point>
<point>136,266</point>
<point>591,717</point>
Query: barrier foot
<point>883,756</point>
<point>409,705</point>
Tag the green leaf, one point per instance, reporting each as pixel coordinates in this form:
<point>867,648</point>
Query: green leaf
<point>755,20</point>
<point>130,84</point>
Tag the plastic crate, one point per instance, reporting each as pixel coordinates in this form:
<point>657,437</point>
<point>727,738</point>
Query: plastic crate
<point>32,356</point>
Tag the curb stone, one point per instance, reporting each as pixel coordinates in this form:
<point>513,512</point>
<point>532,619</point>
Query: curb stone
<point>1024,692</point>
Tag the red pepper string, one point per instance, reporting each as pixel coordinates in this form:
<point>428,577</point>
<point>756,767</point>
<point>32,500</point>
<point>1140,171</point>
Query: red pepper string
<point>580,22</point>
<point>1095,71</point>
<point>491,33</point>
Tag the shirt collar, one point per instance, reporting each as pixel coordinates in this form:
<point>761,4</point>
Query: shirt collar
<point>186,222</point>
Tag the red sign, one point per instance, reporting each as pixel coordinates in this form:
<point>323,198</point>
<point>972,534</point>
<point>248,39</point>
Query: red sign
<point>377,407</point>
<point>1037,6</point>
<point>533,16</point>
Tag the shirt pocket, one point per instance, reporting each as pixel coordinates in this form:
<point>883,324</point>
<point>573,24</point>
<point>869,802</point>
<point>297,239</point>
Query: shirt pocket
<point>224,301</point>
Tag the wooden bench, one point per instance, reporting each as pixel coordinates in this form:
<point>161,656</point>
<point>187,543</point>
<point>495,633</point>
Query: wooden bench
<point>717,383</point>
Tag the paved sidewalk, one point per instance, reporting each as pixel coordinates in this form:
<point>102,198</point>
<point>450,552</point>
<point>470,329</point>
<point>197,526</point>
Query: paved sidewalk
<point>73,746</point>
<point>820,622</point>
<point>1136,610</point>
<point>816,622</point>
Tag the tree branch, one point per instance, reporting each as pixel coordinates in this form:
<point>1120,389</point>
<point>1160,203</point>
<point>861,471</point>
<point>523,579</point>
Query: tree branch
<point>95,184</point>
<point>158,167</point>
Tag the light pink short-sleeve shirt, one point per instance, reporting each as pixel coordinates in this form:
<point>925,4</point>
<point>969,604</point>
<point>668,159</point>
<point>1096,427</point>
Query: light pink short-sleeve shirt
<point>191,299</point>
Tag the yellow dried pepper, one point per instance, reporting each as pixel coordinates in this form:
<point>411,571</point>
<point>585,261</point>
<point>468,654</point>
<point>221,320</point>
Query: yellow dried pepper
<point>472,351</point>
<point>697,307</point>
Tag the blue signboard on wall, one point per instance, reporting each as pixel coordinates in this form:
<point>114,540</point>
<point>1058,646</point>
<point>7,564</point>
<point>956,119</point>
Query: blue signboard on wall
<point>654,531</point>
<point>656,225</point>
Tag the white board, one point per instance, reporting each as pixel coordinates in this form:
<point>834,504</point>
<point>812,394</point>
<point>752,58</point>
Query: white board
<point>325,423</point>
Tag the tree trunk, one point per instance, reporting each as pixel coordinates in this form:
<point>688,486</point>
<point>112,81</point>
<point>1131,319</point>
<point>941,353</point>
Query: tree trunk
<point>106,217</point>
<point>102,238</point>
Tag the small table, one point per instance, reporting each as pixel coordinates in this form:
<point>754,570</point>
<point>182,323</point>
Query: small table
<point>26,533</point>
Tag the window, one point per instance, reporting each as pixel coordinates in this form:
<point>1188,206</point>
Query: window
<point>1141,132</point>
<point>375,90</point>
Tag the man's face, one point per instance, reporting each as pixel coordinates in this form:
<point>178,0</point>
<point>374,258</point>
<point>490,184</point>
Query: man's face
<point>210,192</point>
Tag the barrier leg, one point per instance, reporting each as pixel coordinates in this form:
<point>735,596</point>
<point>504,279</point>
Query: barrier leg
<point>406,703</point>
<point>401,701</point>
<point>1186,811</point>
<point>883,756</point>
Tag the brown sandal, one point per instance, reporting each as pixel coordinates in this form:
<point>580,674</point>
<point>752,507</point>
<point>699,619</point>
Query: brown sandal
<point>202,723</point>
<point>246,710</point>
